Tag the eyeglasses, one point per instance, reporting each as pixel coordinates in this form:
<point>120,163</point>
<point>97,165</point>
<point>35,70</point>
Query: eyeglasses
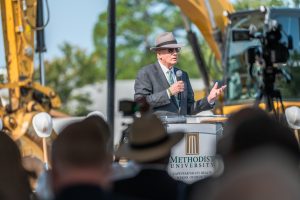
<point>177,50</point>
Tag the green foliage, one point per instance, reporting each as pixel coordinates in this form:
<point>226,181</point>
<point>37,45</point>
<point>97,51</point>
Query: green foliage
<point>254,4</point>
<point>138,22</point>
<point>296,3</point>
<point>74,70</point>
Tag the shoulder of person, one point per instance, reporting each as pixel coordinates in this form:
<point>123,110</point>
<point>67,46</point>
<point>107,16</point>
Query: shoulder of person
<point>148,68</point>
<point>183,72</point>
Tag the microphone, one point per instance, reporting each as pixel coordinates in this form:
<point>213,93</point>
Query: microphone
<point>179,78</point>
<point>178,75</point>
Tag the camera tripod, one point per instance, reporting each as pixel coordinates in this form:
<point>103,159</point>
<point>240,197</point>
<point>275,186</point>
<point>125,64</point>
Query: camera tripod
<point>270,94</point>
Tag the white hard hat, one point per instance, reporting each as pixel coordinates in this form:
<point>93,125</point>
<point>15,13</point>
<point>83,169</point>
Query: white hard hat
<point>42,124</point>
<point>292,115</point>
<point>97,113</point>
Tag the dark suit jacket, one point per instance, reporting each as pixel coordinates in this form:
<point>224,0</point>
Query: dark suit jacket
<point>151,184</point>
<point>152,84</point>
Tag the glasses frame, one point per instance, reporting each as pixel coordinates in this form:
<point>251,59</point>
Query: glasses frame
<point>172,50</point>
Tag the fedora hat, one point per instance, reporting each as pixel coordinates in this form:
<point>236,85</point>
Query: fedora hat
<point>164,41</point>
<point>292,115</point>
<point>148,140</point>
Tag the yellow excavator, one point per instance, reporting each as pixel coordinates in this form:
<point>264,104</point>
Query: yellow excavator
<point>22,22</point>
<point>258,49</point>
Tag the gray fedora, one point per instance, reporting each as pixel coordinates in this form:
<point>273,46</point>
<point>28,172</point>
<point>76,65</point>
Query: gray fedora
<point>164,41</point>
<point>148,140</point>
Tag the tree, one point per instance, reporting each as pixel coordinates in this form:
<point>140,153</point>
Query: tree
<point>138,22</point>
<point>296,3</point>
<point>74,70</point>
<point>254,4</point>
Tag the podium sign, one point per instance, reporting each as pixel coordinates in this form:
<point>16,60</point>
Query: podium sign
<point>193,157</point>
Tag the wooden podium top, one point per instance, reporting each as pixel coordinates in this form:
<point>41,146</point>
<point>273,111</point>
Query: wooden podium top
<point>194,119</point>
<point>215,120</point>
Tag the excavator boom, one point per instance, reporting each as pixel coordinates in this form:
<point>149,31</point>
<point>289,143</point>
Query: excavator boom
<point>208,16</point>
<point>26,97</point>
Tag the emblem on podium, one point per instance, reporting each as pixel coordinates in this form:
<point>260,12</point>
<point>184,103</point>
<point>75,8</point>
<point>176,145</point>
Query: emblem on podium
<point>192,144</point>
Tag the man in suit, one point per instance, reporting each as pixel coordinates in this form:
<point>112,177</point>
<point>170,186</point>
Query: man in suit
<point>158,83</point>
<point>149,146</point>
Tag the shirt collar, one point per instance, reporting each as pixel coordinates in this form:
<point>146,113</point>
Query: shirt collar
<point>165,68</point>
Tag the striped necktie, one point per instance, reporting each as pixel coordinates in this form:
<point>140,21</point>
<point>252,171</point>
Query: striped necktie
<point>171,82</point>
<point>170,77</point>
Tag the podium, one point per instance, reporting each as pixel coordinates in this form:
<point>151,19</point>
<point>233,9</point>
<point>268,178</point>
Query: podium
<point>193,157</point>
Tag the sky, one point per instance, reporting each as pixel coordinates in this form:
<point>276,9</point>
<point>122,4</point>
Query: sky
<point>70,21</point>
<point>73,22</point>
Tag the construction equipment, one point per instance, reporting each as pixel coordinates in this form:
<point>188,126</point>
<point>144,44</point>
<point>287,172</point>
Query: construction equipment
<point>261,61</point>
<point>26,96</point>
<point>257,57</point>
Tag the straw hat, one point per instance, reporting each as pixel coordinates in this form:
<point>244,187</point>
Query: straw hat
<point>148,140</point>
<point>164,41</point>
<point>292,115</point>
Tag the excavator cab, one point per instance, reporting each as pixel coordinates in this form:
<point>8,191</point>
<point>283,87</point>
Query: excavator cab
<point>262,58</point>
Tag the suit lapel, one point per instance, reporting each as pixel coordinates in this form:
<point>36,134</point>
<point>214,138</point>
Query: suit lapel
<point>161,76</point>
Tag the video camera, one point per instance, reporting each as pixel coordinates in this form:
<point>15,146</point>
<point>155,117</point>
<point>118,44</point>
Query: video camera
<point>271,52</point>
<point>131,108</point>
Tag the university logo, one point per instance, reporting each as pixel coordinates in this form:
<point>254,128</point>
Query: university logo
<point>192,143</point>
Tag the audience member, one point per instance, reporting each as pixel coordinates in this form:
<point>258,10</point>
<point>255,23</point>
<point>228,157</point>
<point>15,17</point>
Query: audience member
<point>81,162</point>
<point>249,129</point>
<point>150,146</point>
<point>265,173</point>
<point>14,183</point>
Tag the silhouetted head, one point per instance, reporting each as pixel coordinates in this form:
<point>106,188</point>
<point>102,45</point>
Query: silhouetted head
<point>80,155</point>
<point>253,128</point>
<point>14,183</point>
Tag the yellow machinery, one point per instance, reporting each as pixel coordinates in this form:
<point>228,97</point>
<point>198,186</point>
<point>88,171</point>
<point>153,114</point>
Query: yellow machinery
<point>228,37</point>
<point>26,97</point>
<point>208,16</point>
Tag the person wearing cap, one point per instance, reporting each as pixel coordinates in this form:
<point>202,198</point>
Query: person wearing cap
<point>149,146</point>
<point>158,82</point>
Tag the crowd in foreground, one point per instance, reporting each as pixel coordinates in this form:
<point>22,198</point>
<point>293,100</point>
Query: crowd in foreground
<point>260,161</point>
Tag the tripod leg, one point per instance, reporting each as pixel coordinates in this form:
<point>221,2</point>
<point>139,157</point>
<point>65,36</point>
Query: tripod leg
<point>258,99</point>
<point>281,102</point>
<point>270,104</point>
<point>297,136</point>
